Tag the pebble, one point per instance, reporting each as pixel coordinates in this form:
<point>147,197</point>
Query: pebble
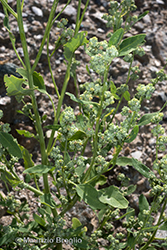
<point>137,154</point>
<point>38,12</point>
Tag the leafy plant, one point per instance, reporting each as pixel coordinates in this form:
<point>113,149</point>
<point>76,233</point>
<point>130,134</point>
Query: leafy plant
<point>64,158</point>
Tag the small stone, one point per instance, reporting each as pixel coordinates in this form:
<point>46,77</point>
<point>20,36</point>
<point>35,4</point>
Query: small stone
<point>137,154</point>
<point>38,12</point>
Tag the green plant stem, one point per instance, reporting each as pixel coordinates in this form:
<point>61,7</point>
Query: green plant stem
<point>145,247</point>
<point>34,103</point>
<point>127,80</point>
<point>4,3</point>
<point>49,24</point>
<point>95,139</point>
<point>67,77</point>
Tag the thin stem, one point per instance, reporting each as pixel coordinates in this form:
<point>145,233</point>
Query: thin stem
<point>4,3</point>
<point>49,24</point>
<point>34,103</point>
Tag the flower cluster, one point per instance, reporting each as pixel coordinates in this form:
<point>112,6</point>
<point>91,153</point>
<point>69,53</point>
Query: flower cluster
<point>101,55</point>
<point>145,91</point>
<point>134,104</point>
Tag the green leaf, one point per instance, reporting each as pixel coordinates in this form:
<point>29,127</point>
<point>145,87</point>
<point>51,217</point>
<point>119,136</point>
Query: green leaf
<point>27,157</point>
<point>6,176</point>
<point>75,223</point>
<point>143,203</point>
<point>133,134</point>
<point>131,241</point>
<point>129,212</point>
<point>113,197</point>
<point>126,95</point>
<point>47,199</point>
<point>14,86</point>
<point>142,15</point>
<point>38,80</point>
<point>38,169</point>
<point>78,135</point>
<point>8,143</point>
<point>22,72</point>
<point>90,195</point>
<point>102,213</point>
<point>146,119</point>
<point>80,170</point>
<point>130,44</point>
<point>141,168</point>
<point>73,98</point>
<point>39,220</point>
<point>116,37</point>
<point>130,189</point>
<point>25,133</point>
<point>74,43</point>
<point>163,226</point>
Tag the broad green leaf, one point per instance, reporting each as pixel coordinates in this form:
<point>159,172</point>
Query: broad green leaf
<point>116,37</point>
<point>38,80</point>
<point>113,197</point>
<point>14,86</point>
<point>143,203</point>
<point>126,95</point>
<point>133,134</point>
<point>130,44</point>
<point>90,195</point>
<point>39,220</point>
<point>163,226</point>
<point>25,133</point>
<point>10,144</point>
<point>102,213</point>
<point>146,119</point>
<point>48,200</point>
<point>74,43</point>
<point>141,168</point>
<point>38,169</point>
<point>78,135</point>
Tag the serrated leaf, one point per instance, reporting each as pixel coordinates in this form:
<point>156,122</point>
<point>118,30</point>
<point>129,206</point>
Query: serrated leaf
<point>14,86</point>
<point>8,143</point>
<point>90,195</point>
<point>39,220</point>
<point>130,44</point>
<point>38,169</point>
<point>133,134</point>
<point>113,197</point>
<point>74,43</point>
<point>116,37</point>
<point>25,133</point>
<point>146,119</point>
